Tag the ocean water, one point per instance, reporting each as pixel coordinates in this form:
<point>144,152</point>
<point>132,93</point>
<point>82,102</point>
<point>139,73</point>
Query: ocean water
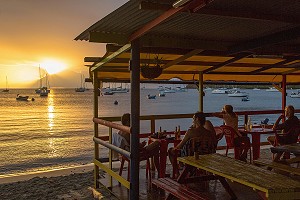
<point>57,130</point>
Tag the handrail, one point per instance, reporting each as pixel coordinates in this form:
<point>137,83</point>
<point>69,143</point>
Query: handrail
<point>177,116</point>
<point>112,147</point>
<point>112,125</point>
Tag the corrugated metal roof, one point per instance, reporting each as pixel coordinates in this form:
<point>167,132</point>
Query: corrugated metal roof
<point>269,30</point>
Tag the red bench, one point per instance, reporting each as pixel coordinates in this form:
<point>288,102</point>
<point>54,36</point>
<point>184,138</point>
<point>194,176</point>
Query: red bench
<point>178,190</point>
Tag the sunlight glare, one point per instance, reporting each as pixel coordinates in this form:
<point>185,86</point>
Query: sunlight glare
<point>53,66</point>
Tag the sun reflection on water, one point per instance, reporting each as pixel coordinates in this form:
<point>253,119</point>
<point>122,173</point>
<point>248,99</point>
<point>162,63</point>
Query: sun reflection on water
<point>51,114</point>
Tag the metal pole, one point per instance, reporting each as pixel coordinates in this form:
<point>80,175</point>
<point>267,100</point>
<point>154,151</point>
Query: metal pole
<point>96,146</point>
<point>135,119</point>
<point>200,91</point>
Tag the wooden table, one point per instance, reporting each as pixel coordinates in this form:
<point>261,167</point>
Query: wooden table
<point>255,134</point>
<point>275,186</point>
<point>291,148</point>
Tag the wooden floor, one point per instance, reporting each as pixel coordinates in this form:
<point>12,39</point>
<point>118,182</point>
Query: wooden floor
<point>214,190</point>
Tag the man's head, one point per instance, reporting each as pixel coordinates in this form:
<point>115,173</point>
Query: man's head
<point>228,109</point>
<point>125,119</point>
<point>289,111</point>
<point>199,117</point>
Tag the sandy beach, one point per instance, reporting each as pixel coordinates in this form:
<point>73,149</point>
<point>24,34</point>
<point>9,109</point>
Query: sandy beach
<point>62,184</point>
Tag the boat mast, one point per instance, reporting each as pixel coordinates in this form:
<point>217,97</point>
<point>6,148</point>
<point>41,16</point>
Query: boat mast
<point>40,77</point>
<point>6,82</point>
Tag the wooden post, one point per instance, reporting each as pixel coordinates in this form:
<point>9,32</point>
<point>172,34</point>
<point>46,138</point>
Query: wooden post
<point>200,91</point>
<point>96,146</point>
<point>135,120</point>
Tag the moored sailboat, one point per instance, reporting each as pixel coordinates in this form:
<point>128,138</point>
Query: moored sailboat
<point>81,88</point>
<point>6,88</point>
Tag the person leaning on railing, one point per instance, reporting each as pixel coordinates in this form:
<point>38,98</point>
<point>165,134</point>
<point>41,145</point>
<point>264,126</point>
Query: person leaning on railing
<point>151,149</point>
<point>287,125</point>
<point>231,119</point>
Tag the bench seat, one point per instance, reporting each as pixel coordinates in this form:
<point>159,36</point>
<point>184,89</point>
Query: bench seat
<point>277,165</point>
<point>178,190</point>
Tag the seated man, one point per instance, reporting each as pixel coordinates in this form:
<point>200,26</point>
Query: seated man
<point>197,130</point>
<point>152,149</point>
<point>286,126</point>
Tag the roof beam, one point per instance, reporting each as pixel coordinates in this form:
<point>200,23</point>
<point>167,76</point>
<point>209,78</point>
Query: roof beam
<point>183,5</point>
<point>182,58</point>
<point>238,57</point>
<point>192,63</point>
<point>279,64</point>
<point>245,14</point>
<point>196,72</point>
<point>271,39</point>
<point>111,57</point>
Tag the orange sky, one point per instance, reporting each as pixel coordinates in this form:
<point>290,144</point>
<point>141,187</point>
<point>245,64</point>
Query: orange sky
<point>42,32</point>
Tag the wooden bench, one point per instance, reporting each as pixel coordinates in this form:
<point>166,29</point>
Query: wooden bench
<point>277,165</point>
<point>178,190</point>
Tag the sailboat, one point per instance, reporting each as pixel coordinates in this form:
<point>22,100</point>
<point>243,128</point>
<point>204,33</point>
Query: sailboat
<point>42,88</point>
<point>81,88</point>
<point>6,89</point>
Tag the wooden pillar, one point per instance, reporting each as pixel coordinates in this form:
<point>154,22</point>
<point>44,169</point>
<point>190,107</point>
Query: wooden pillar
<point>96,146</point>
<point>200,89</point>
<point>135,119</point>
<point>283,92</point>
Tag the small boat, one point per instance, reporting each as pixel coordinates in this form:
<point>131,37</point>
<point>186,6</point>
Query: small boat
<point>22,98</point>
<point>81,89</point>
<point>220,91</point>
<point>238,94</point>
<point>162,94</point>
<point>272,89</point>
<point>44,93</point>
<point>151,96</point>
<point>245,98</point>
<point>295,94</point>
<point>256,89</point>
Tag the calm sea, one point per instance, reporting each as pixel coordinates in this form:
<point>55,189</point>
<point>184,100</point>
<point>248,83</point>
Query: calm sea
<point>57,130</point>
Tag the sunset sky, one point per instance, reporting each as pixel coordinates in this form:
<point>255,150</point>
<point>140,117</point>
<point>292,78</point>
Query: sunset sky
<point>42,32</point>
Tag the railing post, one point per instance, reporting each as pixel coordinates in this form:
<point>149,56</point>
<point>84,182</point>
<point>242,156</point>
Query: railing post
<point>110,157</point>
<point>283,94</point>
<point>152,125</point>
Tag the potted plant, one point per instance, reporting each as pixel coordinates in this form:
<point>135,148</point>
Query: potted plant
<point>152,71</point>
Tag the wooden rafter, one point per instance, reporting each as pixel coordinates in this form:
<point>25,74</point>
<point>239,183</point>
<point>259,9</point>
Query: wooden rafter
<point>111,57</point>
<point>182,58</point>
<point>279,64</point>
<point>238,57</point>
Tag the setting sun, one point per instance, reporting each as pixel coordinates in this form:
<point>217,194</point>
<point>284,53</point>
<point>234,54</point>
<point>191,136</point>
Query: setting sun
<point>53,66</point>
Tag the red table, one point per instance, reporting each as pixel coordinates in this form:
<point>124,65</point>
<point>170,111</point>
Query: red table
<point>255,134</point>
